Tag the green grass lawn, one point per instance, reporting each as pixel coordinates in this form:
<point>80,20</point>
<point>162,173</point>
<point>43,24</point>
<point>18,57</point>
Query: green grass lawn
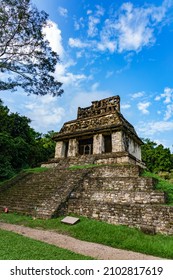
<point>100,232</point>
<point>16,247</point>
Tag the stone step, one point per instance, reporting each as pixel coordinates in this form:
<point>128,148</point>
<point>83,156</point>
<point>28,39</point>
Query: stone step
<point>154,197</point>
<point>117,198</point>
<point>116,171</point>
<point>41,192</point>
<point>119,183</point>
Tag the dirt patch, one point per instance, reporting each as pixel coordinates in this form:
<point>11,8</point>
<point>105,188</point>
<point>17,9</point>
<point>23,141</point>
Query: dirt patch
<point>97,251</point>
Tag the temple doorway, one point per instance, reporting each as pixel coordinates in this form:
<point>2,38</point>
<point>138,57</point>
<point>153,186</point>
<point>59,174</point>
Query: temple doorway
<point>66,145</point>
<point>107,143</point>
<point>86,146</point>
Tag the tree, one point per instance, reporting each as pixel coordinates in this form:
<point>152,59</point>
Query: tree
<point>20,145</point>
<point>156,157</point>
<point>26,59</point>
<point>42,150</point>
<point>6,149</point>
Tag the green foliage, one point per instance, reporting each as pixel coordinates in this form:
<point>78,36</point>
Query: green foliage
<point>6,148</point>
<point>20,145</point>
<point>16,247</point>
<point>122,237</point>
<point>162,185</point>
<point>156,157</point>
<point>6,169</point>
<point>26,58</point>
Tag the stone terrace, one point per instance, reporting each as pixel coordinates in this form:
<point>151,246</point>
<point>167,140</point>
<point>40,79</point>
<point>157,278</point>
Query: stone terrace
<point>115,194</point>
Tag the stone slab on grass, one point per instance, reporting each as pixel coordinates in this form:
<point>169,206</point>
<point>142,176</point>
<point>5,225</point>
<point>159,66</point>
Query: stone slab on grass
<point>70,220</point>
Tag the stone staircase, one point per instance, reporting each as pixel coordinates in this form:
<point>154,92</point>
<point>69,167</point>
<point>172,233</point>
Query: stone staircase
<point>40,194</point>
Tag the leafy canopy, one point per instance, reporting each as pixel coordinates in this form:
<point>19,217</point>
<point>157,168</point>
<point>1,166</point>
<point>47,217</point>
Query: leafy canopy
<point>26,59</point>
<point>20,145</point>
<point>156,157</point>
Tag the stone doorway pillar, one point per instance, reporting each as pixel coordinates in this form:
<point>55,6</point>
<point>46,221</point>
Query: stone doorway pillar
<point>117,142</point>
<point>98,144</point>
<point>73,148</point>
<point>59,149</point>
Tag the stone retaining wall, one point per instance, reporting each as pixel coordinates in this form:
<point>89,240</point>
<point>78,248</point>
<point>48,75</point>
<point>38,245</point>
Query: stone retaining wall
<point>120,196</point>
<point>115,194</point>
<point>109,158</point>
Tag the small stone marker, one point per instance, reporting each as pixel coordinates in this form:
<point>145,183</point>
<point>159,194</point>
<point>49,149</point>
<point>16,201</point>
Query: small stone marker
<point>70,220</point>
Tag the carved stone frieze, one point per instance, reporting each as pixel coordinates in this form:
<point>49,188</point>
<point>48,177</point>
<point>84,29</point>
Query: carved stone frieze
<point>107,105</point>
<point>90,123</point>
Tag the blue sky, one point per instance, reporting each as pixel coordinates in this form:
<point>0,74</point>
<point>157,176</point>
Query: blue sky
<point>107,48</point>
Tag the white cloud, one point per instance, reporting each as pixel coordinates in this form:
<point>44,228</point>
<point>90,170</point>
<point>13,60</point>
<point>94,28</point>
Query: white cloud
<point>106,44</point>
<point>157,98</point>
<point>125,106</point>
<point>109,74</point>
<point>137,94</point>
<point>53,35</point>
<point>100,11</point>
<point>79,23</point>
<point>169,112</point>
<point>94,20</point>
<point>62,73</point>
<point>133,28</point>
<point>167,95</point>
<point>143,106</point>
<point>79,54</point>
<point>151,128</point>
<point>77,43</point>
<point>129,29</point>
<point>89,12</point>
<point>92,26</point>
<point>76,25</point>
<point>63,12</point>
<point>95,86</point>
<point>44,112</point>
<point>66,77</point>
<point>72,79</point>
<point>136,25</point>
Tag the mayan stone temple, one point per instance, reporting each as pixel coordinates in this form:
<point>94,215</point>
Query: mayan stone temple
<point>97,172</point>
<point>99,135</point>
